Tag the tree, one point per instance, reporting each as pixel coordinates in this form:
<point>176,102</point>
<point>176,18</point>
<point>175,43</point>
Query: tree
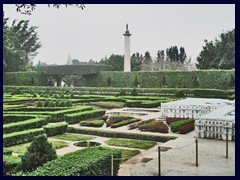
<point>28,8</point>
<point>20,45</point>
<point>39,152</point>
<point>136,61</point>
<point>219,54</point>
<point>116,61</point>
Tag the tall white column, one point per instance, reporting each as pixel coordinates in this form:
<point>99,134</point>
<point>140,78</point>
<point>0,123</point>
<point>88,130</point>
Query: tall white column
<point>127,55</point>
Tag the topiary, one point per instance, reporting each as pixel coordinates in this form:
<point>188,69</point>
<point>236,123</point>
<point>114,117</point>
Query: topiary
<point>180,93</point>
<point>122,92</point>
<point>62,104</point>
<point>51,104</point>
<point>57,103</point>
<point>68,103</point>
<point>39,104</point>
<point>62,96</point>
<point>134,92</point>
<point>39,152</point>
<point>46,103</point>
<point>34,95</point>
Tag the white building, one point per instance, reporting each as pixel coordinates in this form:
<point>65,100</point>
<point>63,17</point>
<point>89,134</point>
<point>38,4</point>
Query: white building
<point>216,124</point>
<point>192,107</point>
<point>213,117</point>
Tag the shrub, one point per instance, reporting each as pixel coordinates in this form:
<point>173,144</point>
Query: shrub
<point>57,103</point>
<point>39,104</point>
<point>134,126</point>
<point>21,137</point>
<point>77,117</point>
<point>68,104</point>
<point>122,92</point>
<point>116,120</point>
<point>180,94</point>
<point>24,125</point>
<point>51,104</point>
<point>55,129</point>
<point>169,120</point>
<point>175,125</point>
<point>62,104</point>
<point>39,152</point>
<point>143,126</point>
<point>34,95</point>
<point>114,116</point>
<point>124,122</point>
<point>107,133</point>
<point>186,128</point>
<point>93,161</point>
<point>46,103</point>
<point>93,123</point>
<point>134,92</point>
<point>7,151</point>
<point>11,164</point>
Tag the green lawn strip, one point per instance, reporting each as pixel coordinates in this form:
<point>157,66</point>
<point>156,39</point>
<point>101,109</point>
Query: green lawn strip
<point>131,143</point>
<point>109,103</point>
<point>74,137</point>
<point>126,153</point>
<point>20,149</point>
<point>118,134</point>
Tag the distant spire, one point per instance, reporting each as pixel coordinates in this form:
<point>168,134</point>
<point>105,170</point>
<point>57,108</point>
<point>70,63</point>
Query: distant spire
<point>69,61</point>
<point>127,33</point>
<point>127,27</point>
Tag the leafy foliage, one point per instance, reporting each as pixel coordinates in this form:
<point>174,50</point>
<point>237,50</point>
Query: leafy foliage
<point>21,137</point>
<point>218,54</point>
<point>177,124</point>
<point>93,161</point>
<point>39,152</point>
<point>124,122</point>
<point>11,164</point>
<point>55,129</point>
<point>106,133</point>
<point>93,123</point>
<point>20,44</point>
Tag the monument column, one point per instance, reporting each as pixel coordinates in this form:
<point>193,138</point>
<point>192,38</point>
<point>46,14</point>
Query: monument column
<point>127,56</point>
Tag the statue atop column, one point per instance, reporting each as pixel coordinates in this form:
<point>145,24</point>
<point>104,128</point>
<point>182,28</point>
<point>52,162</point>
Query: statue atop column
<point>126,27</point>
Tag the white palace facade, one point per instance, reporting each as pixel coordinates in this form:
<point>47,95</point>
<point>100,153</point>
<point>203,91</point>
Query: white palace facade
<point>213,117</point>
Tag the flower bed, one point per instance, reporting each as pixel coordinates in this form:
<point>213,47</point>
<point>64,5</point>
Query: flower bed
<point>186,128</point>
<point>117,120</point>
<point>176,125</point>
<point>124,122</point>
<point>136,125</point>
<point>173,119</point>
<point>155,126</point>
<point>92,123</point>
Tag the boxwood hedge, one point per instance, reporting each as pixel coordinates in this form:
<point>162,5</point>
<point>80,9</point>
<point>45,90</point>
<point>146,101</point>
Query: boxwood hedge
<point>117,134</point>
<point>77,117</point>
<point>21,137</point>
<point>95,161</point>
<point>24,125</point>
<point>11,164</point>
<point>55,129</point>
<point>92,123</point>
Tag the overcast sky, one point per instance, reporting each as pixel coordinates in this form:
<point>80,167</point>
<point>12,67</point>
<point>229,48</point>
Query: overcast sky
<point>97,31</point>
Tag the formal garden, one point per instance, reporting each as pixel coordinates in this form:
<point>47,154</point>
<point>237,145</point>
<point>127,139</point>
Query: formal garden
<point>40,120</point>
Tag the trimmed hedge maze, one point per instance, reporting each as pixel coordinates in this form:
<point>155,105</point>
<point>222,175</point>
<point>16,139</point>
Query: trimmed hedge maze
<point>87,162</point>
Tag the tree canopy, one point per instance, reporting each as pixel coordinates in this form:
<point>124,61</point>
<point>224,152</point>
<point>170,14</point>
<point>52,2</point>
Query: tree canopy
<point>20,45</point>
<point>28,8</point>
<point>219,54</point>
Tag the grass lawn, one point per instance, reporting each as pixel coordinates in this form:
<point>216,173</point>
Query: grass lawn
<point>20,149</point>
<point>128,153</point>
<point>74,137</point>
<point>141,144</point>
<point>109,103</point>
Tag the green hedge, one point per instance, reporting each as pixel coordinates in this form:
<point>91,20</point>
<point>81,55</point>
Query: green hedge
<point>7,151</point>
<point>55,129</point>
<point>93,123</point>
<point>117,134</point>
<point>188,92</point>
<point>77,117</point>
<point>21,137</point>
<point>11,164</point>
<point>175,125</point>
<point>73,69</point>
<point>124,122</point>
<point>95,161</point>
<point>56,116</point>
<point>24,125</point>
<point>10,118</point>
<point>25,79</point>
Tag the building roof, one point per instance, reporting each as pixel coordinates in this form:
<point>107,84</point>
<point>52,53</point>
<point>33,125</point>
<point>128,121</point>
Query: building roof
<point>201,102</point>
<point>226,113</point>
